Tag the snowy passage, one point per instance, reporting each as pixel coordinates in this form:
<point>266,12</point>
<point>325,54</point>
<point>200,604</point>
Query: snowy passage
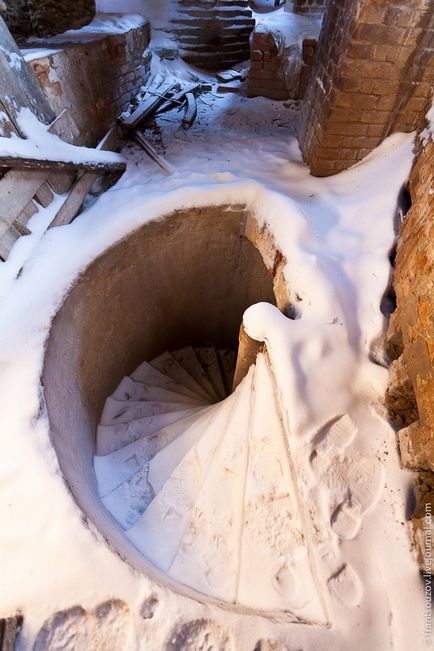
<point>320,520</point>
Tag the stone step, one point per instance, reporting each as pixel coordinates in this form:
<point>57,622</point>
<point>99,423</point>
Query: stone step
<point>168,365</point>
<point>217,22</point>
<point>131,390</point>
<point>117,467</point>
<point>114,437</point>
<point>151,376</point>
<point>208,552</point>
<point>210,363</point>
<point>176,476</point>
<point>211,14</point>
<point>118,412</point>
<point>188,359</point>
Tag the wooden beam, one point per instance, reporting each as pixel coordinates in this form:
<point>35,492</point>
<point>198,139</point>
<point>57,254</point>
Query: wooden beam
<point>22,163</point>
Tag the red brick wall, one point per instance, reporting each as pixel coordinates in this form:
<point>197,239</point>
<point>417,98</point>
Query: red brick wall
<point>309,7</point>
<point>373,74</point>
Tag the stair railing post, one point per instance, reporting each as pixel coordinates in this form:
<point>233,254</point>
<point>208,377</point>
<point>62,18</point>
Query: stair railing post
<point>248,350</point>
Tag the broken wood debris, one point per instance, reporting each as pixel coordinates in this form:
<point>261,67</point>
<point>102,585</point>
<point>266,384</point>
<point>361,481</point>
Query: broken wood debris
<point>149,149</point>
<point>159,97</point>
<point>147,107</point>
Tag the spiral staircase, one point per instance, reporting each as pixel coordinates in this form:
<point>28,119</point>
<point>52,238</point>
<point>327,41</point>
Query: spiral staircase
<point>199,478</point>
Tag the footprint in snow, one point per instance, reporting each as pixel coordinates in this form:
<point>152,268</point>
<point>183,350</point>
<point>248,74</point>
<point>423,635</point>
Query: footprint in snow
<point>355,482</point>
<point>346,586</point>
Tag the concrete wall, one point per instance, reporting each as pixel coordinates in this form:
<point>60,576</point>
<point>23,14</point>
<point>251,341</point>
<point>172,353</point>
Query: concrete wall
<point>373,74</point>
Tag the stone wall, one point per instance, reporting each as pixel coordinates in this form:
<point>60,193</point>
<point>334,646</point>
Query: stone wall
<point>410,397</point>
<point>95,80</point>
<point>372,77</point>
<point>47,17</point>
<point>411,334</point>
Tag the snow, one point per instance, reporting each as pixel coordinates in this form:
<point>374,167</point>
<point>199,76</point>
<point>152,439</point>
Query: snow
<point>294,27</point>
<point>32,53</point>
<point>428,132</point>
<point>38,143</point>
<point>335,234</point>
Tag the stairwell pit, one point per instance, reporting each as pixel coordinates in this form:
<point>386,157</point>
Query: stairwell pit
<point>183,280</point>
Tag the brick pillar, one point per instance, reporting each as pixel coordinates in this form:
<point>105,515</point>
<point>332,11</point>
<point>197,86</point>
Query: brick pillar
<point>373,73</point>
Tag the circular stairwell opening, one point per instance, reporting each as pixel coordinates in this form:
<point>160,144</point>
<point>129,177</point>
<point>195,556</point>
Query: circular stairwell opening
<point>179,282</point>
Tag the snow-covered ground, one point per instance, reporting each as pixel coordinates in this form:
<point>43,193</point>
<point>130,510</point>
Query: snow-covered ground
<point>336,234</point>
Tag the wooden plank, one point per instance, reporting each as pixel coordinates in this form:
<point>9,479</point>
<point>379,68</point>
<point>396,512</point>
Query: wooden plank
<point>8,239</point>
<point>149,149</point>
<point>44,195</point>
<point>21,221</point>
<point>75,199</point>
<point>83,184</point>
<point>16,190</point>
<point>18,86</point>
<point>61,182</point>
<point>24,163</point>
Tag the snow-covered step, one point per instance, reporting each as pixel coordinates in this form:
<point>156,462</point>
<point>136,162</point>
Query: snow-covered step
<point>127,502</point>
<point>113,437</point>
<point>168,365</point>
<point>151,376</point>
<point>117,411</point>
<point>208,555</point>
<point>210,363</point>
<point>189,360</point>
<point>176,476</point>
<point>272,537</point>
<point>133,390</point>
<point>113,469</point>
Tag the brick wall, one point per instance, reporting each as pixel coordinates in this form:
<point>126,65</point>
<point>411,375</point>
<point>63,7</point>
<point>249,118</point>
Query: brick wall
<point>412,323</point>
<point>313,8</point>
<point>95,80</point>
<point>410,397</point>
<point>308,54</point>
<point>373,74</point>
<point>277,70</point>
